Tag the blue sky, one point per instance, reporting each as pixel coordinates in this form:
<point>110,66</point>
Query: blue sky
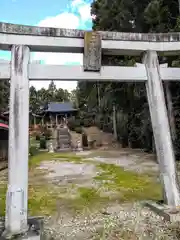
<point>52,13</point>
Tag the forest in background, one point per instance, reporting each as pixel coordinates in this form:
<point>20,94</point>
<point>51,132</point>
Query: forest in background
<point>96,100</point>
<point>133,119</point>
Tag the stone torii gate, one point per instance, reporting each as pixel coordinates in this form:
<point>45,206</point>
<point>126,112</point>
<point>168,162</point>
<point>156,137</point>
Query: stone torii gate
<point>23,39</point>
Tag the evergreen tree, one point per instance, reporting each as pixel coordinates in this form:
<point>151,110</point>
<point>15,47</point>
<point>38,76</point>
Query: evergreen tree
<point>4,95</point>
<point>130,98</point>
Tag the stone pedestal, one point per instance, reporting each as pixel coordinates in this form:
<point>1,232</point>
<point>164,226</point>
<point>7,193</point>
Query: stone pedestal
<point>50,147</point>
<point>169,214</point>
<point>35,230</point>
<point>79,146</point>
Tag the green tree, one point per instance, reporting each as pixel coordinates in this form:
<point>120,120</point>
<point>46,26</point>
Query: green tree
<point>4,95</point>
<point>39,98</point>
<point>129,16</point>
<point>52,92</point>
<point>61,95</point>
<point>33,99</point>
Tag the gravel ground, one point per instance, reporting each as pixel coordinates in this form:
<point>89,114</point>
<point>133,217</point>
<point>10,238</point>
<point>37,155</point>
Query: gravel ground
<point>110,222</point>
<point>116,222</point>
<point>113,222</point>
<point>136,161</point>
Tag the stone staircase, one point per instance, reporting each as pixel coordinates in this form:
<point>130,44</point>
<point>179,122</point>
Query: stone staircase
<point>63,139</point>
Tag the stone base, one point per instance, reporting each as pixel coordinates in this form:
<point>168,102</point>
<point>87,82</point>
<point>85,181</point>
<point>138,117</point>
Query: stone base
<point>35,230</point>
<point>30,235</point>
<point>168,213</point>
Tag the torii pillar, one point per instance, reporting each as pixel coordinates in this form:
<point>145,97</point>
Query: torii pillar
<point>158,113</point>
<point>161,129</point>
<point>16,199</point>
<point>16,220</point>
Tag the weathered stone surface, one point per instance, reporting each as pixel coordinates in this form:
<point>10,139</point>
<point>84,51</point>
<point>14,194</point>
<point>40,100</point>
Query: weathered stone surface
<point>92,51</point>
<point>161,129</point>
<point>62,139</point>
<point>16,198</point>
<point>74,33</point>
<point>35,230</point>
<point>169,214</point>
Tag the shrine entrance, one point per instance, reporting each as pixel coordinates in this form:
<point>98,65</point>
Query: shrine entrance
<point>23,39</point>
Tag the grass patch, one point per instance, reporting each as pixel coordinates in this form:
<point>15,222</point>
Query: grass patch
<point>87,199</point>
<point>46,200</point>
<point>41,200</point>
<point>87,196</point>
<point>35,161</point>
<point>42,197</point>
<point>102,154</point>
<point>130,186</point>
<point>3,188</point>
<point>33,141</point>
<point>68,158</point>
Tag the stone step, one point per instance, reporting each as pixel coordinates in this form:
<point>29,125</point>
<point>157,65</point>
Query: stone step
<point>61,138</point>
<point>63,150</point>
<point>60,145</point>
<point>64,143</point>
<point>64,146</point>
<point>64,135</point>
<point>63,130</point>
<point>64,139</point>
<point>67,135</point>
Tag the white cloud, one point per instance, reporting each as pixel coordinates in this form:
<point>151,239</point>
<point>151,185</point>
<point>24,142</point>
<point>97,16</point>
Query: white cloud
<point>68,20</point>
<point>85,12</point>
<point>75,3</point>
<point>63,20</point>
<point>83,8</point>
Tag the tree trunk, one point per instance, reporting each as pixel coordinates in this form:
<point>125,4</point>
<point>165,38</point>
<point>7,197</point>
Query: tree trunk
<point>114,123</point>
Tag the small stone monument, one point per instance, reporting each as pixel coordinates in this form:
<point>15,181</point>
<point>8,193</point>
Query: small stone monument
<point>79,146</point>
<point>51,149</point>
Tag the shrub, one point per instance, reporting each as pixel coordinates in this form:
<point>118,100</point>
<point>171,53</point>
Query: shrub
<point>73,124</point>
<point>47,134</point>
<point>78,130</point>
<point>88,122</point>
<point>37,137</point>
<point>33,150</point>
<point>43,144</point>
